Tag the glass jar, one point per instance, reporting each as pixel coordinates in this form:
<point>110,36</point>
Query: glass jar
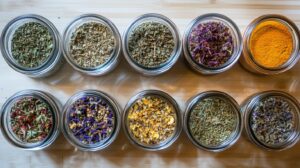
<point>228,142</point>
<point>236,39</point>
<point>6,114</point>
<point>51,64</point>
<point>108,65</point>
<point>249,107</point>
<point>103,99</point>
<point>248,61</point>
<point>154,18</point>
<point>169,140</point>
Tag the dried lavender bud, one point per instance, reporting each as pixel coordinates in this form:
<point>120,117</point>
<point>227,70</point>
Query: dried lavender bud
<point>31,119</point>
<point>151,44</point>
<point>212,121</point>
<point>211,44</point>
<point>31,45</point>
<point>151,120</point>
<point>272,120</point>
<point>92,45</point>
<point>91,119</point>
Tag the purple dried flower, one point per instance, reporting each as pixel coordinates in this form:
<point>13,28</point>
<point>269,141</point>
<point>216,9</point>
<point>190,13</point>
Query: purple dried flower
<point>91,119</point>
<point>211,44</point>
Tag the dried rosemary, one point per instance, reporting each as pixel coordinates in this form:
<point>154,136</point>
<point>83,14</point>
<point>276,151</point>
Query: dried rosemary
<point>92,45</point>
<point>31,45</point>
<point>151,44</point>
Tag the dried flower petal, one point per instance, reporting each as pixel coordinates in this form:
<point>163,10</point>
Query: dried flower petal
<point>211,43</point>
<point>91,119</point>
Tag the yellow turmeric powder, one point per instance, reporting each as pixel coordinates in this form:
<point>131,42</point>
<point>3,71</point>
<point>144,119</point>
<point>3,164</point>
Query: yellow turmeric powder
<point>271,44</point>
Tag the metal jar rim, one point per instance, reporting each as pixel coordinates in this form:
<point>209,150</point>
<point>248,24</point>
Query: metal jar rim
<point>104,68</point>
<point>173,58</point>
<point>167,142</point>
<point>55,109</point>
<point>248,60</point>
<point>237,38</point>
<point>250,103</point>
<point>69,135</point>
<point>54,60</point>
<point>236,108</point>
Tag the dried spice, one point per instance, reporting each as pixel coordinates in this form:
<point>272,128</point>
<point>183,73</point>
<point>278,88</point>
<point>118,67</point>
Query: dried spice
<point>271,44</point>
<point>91,119</point>
<point>31,119</point>
<point>272,120</point>
<point>212,121</point>
<point>211,44</point>
<point>92,44</point>
<point>32,45</point>
<point>151,120</point>
<point>151,44</point>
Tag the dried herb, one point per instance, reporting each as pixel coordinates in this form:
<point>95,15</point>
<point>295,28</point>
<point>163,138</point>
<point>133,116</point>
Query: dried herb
<point>211,44</point>
<point>151,120</point>
<point>92,45</point>
<point>91,119</point>
<point>272,120</point>
<point>31,119</point>
<point>32,45</point>
<point>212,121</point>
<point>151,44</point>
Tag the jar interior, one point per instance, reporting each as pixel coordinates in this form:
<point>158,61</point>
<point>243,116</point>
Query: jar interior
<point>233,32</point>
<point>9,36</point>
<point>233,134</point>
<point>291,135</point>
<point>10,131</point>
<point>151,19</point>
<point>71,30</point>
<point>161,143</point>
<point>295,42</point>
<point>69,132</point>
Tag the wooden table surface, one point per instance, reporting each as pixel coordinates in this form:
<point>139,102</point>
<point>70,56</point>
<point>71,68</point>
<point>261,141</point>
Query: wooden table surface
<point>181,82</point>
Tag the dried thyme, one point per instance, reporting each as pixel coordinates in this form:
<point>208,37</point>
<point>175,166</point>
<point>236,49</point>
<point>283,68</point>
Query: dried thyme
<point>151,44</point>
<point>211,44</point>
<point>31,119</point>
<point>91,119</point>
<point>92,45</point>
<point>31,45</point>
<point>212,121</point>
<point>272,120</point>
<point>151,120</point>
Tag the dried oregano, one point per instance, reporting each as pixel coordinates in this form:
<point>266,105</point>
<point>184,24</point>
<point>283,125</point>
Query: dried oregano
<point>92,44</point>
<point>212,121</point>
<point>272,120</point>
<point>31,44</point>
<point>151,44</point>
<point>151,120</point>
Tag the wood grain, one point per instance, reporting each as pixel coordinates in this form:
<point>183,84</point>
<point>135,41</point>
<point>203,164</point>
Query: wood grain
<point>181,82</point>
